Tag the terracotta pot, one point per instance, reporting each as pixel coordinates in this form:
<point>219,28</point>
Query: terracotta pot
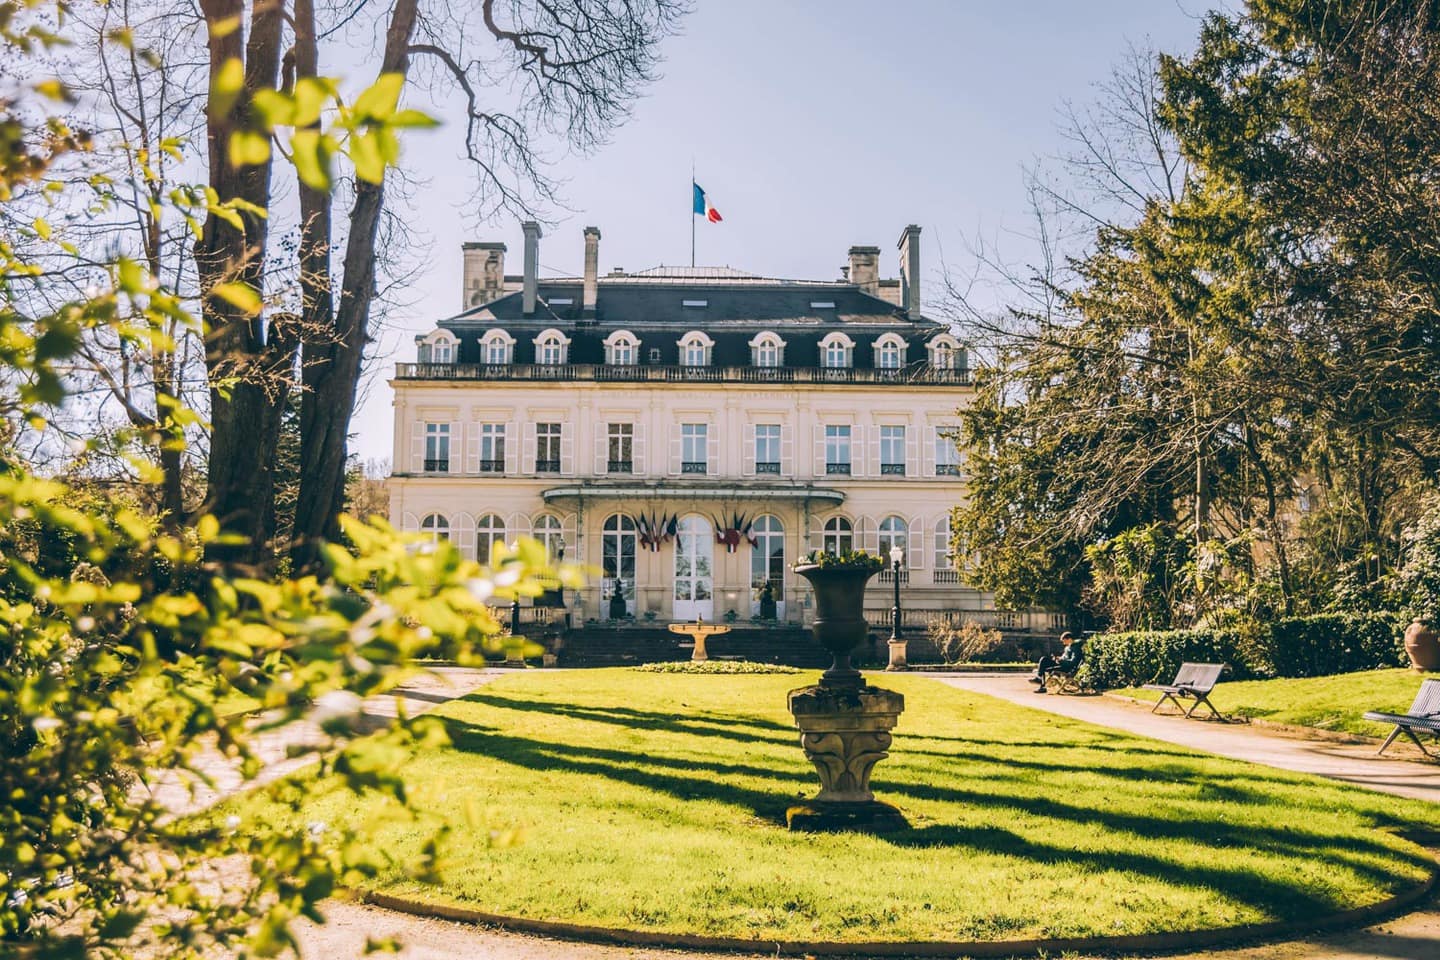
<point>840,624</point>
<point>1423,645</point>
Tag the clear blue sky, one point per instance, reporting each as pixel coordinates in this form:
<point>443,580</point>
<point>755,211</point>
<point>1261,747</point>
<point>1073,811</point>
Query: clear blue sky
<point>813,125</point>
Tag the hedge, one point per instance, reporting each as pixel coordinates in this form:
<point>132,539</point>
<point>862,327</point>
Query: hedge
<point>1295,647</point>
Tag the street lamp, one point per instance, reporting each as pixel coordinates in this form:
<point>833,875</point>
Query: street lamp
<point>897,642</point>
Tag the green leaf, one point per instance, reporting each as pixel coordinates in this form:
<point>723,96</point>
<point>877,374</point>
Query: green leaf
<point>225,86</point>
<point>275,108</point>
<point>310,153</point>
<point>42,228</point>
<point>239,295</point>
<point>379,101</point>
<point>413,118</point>
<point>365,153</point>
<point>311,95</point>
<point>248,148</point>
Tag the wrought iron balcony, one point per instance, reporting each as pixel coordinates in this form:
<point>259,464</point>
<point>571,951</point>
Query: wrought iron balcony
<point>694,466</point>
<point>892,469</point>
<point>437,466</point>
<point>619,466</point>
<point>837,468</point>
<point>547,466</point>
<point>492,466</point>
<point>768,467</point>
<point>947,469</point>
<point>916,374</point>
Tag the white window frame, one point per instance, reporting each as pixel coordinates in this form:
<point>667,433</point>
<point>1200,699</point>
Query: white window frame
<point>492,447</point>
<point>889,537</point>
<point>948,457</point>
<point>892,449</point>
<point>695,346</point>
<point>437,445</point>
<point>435,527</point>
<point>769,442</point>
<point>549,433</point>
<point>487,534</point>
<point>622,349</point>
<point>695,437</point>
<point>837,352</point>
<point>552,348</point>
<point>838,533</point>
<point>619,437</point>
<point>767,350</point>
<point>890,352</point>
<point>943,349</point>
<point>497,348</point>
<point>839,437</point>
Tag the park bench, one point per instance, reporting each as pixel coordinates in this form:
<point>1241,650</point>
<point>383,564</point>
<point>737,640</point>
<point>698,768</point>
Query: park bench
<point>1194,681</point>
<point>1424,714</point>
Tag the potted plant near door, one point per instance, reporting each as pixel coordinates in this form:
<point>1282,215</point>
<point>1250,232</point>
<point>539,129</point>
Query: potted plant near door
<point>839,583</point>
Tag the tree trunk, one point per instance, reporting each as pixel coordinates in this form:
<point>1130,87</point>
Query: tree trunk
<point>333,357</point>
<point>244,407</point>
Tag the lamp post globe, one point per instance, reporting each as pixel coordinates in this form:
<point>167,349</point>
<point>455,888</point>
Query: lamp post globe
<point>897,641</point>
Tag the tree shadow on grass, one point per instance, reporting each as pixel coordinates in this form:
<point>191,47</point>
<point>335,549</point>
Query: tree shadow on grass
<point>688,779</point>
<point>730,728</point>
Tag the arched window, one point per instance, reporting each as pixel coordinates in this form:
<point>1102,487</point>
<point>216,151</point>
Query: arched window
<point>894,532</point>
<point>497,348</point>
<point>945,352</point>
<point>551,348</point>
<point>890,352</point>
<point>836,351</point>
<point>695,349</point>
<point>839,536</point>
<point>438,346</point>
<point>549,531</point>
<point>622,349</point>
<point>617,558</point>
<point>767,559</point>
<point>767,350</point>
<point>489,530</point>
<point>435,528</point>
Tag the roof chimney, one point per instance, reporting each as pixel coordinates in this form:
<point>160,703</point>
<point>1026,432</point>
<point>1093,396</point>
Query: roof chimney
<point>483,274</point>
<point>910,271</point>
<point>592,269</point>
<point>532,265</point>
<point>864,269</point>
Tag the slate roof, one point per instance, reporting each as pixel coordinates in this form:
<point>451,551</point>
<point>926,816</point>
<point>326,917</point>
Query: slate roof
<point>651,305</point>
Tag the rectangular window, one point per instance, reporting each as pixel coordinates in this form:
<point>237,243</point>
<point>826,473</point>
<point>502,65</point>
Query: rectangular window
<point>497,352</point>
<point>694,458</point>
<point>767,448</point>
<point>547,448</point>
<point>437,448</point>
<point>947,455</point>
<point>492,448</point>
<point>621,442</point>
<point>892,450</point>
<point>837,449</point>
<point>440,353</point>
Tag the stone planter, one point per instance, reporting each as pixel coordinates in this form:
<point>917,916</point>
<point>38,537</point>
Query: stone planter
<point>840,624</point>
<point>1423,646</point>
<point>844,733</point>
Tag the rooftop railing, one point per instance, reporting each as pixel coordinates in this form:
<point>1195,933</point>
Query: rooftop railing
<point>915,374</point>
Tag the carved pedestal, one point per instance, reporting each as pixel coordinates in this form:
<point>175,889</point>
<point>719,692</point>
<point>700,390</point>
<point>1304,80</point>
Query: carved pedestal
<point>844,733</point>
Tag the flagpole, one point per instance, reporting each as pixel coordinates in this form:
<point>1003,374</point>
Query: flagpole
<point>692,213</point>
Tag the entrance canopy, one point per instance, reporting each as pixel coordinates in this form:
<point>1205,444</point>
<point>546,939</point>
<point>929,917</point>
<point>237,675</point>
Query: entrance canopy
<point>671,489</point>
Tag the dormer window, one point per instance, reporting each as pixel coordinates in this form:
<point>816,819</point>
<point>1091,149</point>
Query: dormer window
<point>552,348</point>
<point>622,349</point>
<point>837,351</point>
<point>890,352</point>
<point>695,349</point>
<point>497,348</point>
<point>438,346</point>
<point>767,350</point>
<point>945,352</point>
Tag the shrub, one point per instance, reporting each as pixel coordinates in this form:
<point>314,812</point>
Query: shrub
<point>967,643</point>
<point>1148,656</point>
<point>1332,643</point>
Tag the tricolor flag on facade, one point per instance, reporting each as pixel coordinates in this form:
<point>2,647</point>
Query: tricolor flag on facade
<point>703,206</point>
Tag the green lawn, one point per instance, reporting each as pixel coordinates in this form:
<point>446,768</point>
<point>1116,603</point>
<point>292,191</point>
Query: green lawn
<point>1327,703</point>
<point>656,802</point>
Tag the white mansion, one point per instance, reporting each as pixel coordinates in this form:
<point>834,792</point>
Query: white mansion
<point>689,432</point>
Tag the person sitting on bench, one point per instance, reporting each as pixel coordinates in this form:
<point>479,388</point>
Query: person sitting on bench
<point>1068,661</point>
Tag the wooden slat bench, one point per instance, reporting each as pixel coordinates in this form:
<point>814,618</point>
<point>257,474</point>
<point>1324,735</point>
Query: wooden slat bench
<point>1194,681</point>
<point>1423,715</point>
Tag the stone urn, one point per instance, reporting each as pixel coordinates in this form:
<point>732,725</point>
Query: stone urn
<point>1423,645</point>
<point>844,723</point>
<point>840,624</point>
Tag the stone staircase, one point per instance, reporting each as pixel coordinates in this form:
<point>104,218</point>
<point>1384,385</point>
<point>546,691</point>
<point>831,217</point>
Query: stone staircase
<point>597,645</point>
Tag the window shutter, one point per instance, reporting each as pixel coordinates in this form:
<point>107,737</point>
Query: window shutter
<point>860,457</point>
<point>423,354</point>
<point>675,450</point>
<point>417,447</point>
<point>602,449</point>
<point>915,555</point>
<point>462,528</point>
<point>787,451</point>
<point>455,451</point>
<point>867,535</point>
<point>747,454</point>
<point>472,448</point>
<point>511,467</point>
<point>637,450</point>
<point>712,450</point>
<point>819,468</point>
<point>567,450</point>
<point>927,454</point>
<point>527,448</point>
<point>912,451</point>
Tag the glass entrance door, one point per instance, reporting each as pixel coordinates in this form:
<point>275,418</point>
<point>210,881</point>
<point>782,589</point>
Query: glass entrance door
<point>617,565</point>
<point>694,560</point>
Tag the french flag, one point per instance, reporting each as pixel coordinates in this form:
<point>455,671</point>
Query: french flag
<point>703,207</point>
